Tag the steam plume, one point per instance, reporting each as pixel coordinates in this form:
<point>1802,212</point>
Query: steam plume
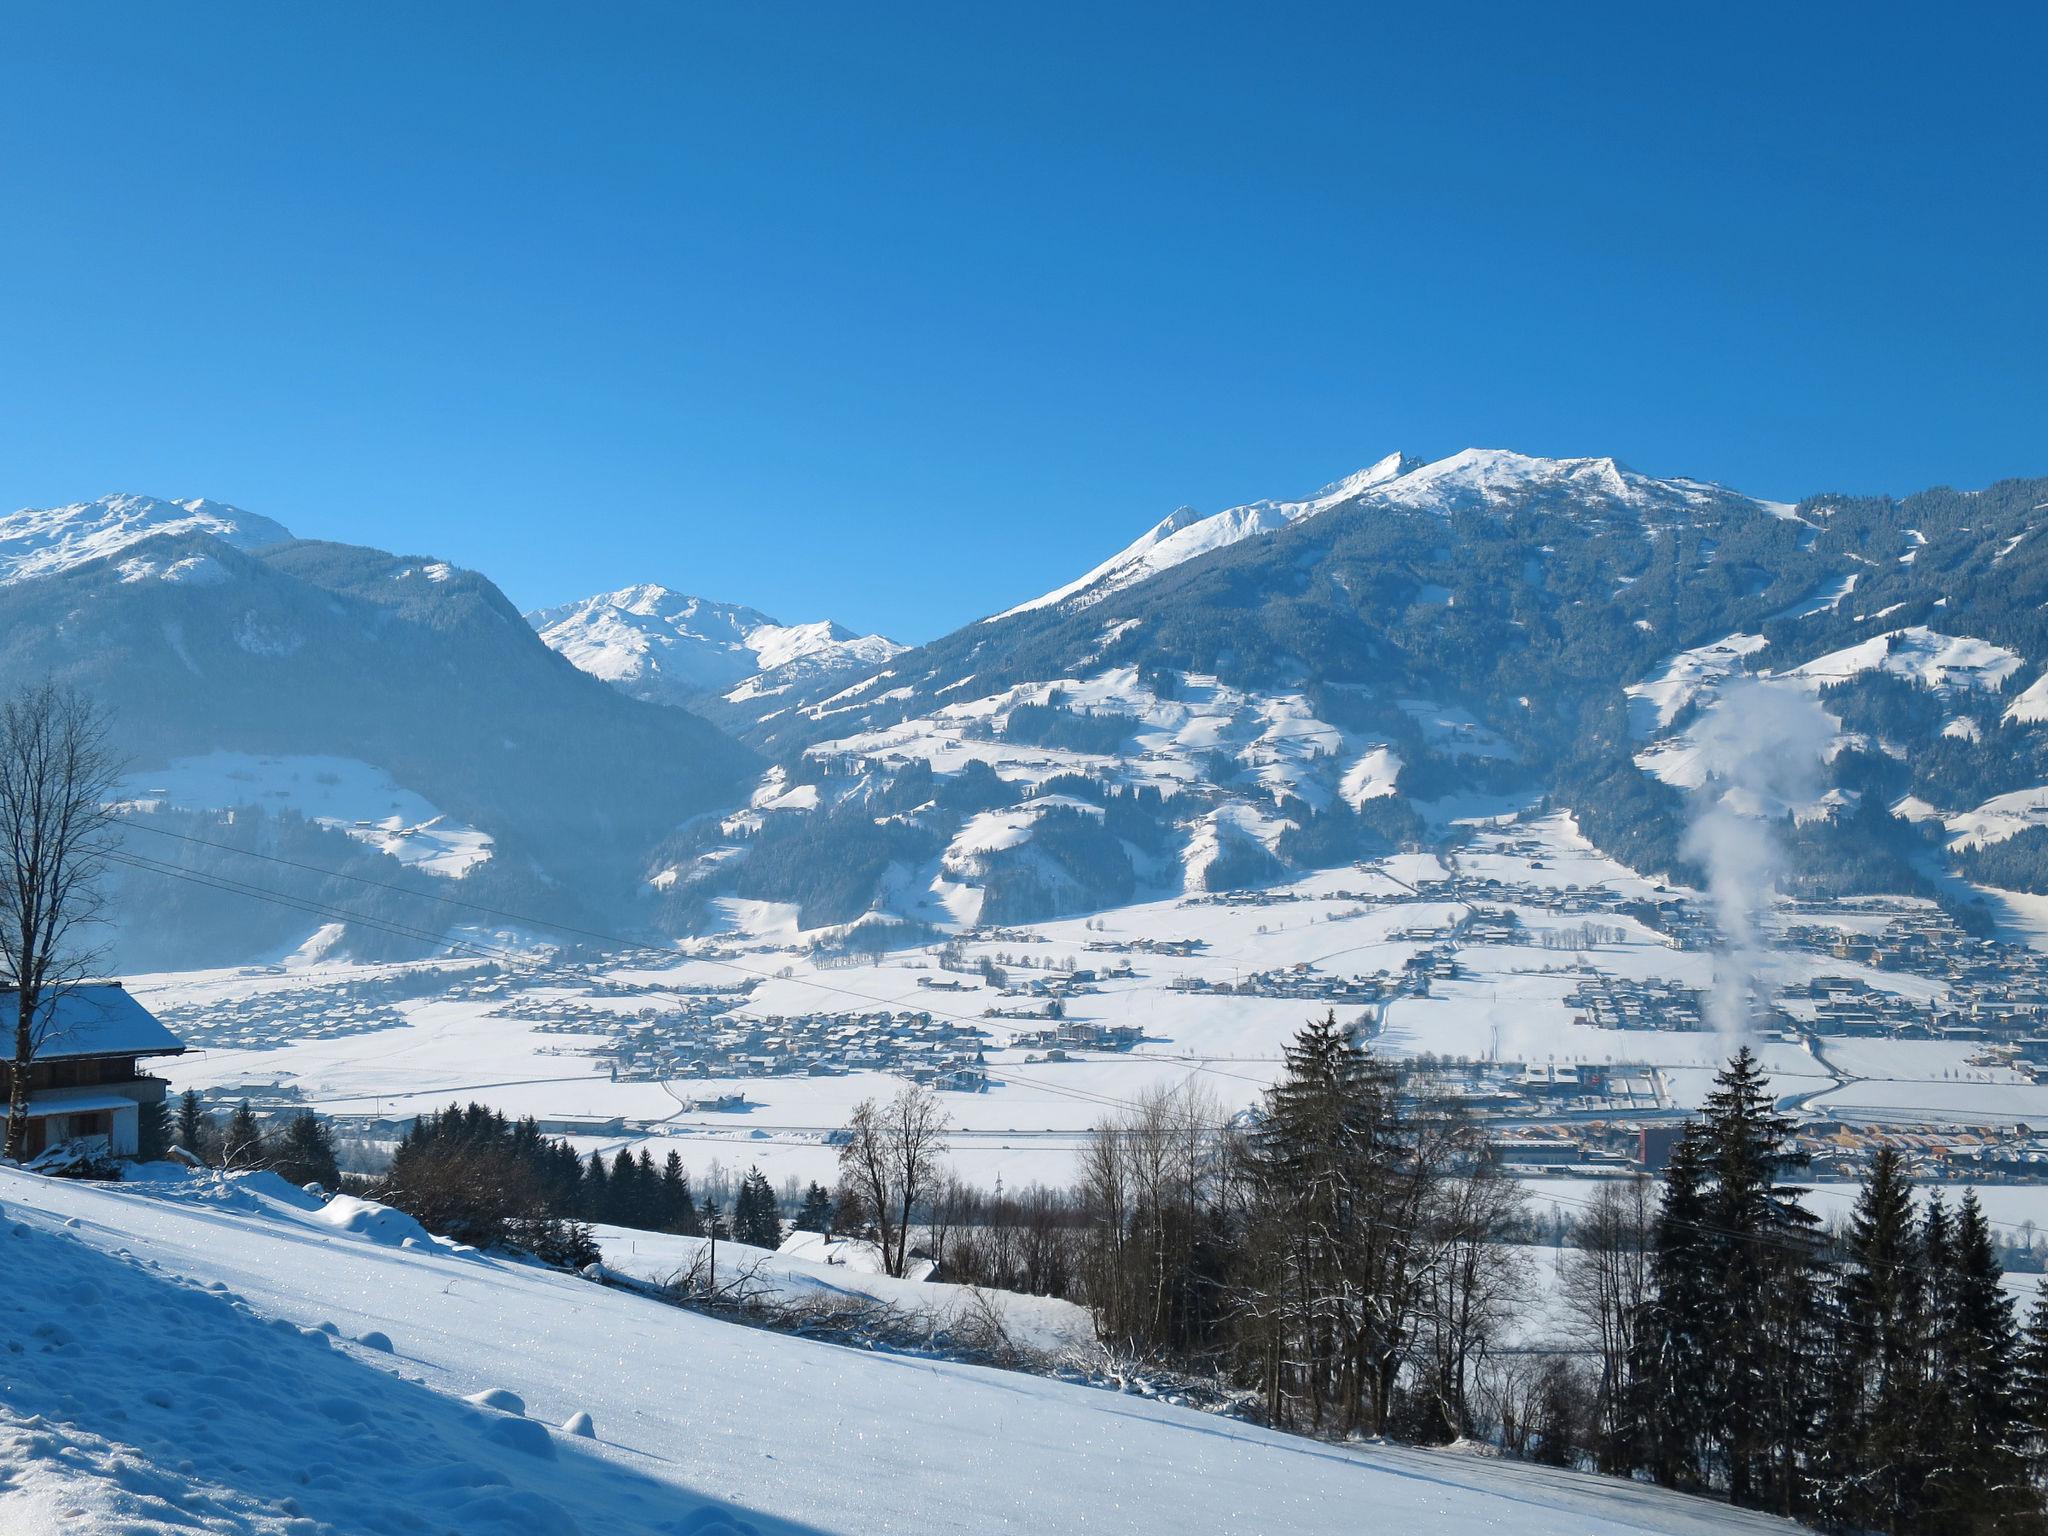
<point>1760,751</point>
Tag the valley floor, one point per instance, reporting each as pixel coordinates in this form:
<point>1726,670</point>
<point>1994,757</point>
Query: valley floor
<point>228,1355</point>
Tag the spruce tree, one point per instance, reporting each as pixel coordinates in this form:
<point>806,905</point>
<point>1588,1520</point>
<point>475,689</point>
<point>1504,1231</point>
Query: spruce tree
<point>243,1146</point>
<point>1978,1480</point>
<point>678,1210</point>
<point>624,1207</point>
<point>1763,1258</point>
<point>755,1217</point>
<point>1328,1163</point>
<point>816,1214</point>
<point>307,1153</point>
<point>2031,1385</point>
<point>597,1190</point>
<point>195,1126</point>
<point>1678,1340</point>
<point>1870,1474</point>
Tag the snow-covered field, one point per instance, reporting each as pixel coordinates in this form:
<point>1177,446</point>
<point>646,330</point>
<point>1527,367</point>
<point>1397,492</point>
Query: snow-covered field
<point>810,1270</point>
<point>338,792</point>
<point>1509,1002</point>
<point>214,1356</point>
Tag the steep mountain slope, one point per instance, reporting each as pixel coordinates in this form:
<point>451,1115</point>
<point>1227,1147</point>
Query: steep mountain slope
<point>42,541</point>
<point>671,648</point>
<point>228,1354</point>
<point>1448,636</point>
<point>353,692</point>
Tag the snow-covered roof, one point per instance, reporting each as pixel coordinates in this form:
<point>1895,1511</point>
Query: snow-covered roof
<point>72,1101</point>
<point>99,1019</point>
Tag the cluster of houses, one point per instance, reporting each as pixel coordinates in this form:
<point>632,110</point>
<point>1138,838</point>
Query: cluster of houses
<point>1057,1039</point>
<point>1301,982</point>
<point>688,1044</point>
<point>1621,1002</point>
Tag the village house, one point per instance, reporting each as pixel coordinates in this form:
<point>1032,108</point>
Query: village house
<point>85,1082</point>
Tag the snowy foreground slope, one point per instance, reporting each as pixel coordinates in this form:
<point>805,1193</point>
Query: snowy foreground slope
<point>181,1356</point>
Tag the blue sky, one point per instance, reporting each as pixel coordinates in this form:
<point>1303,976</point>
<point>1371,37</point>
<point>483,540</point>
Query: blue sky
<point>901,315</point>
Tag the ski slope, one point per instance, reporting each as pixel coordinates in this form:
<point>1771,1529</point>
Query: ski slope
<point>182,1357</point>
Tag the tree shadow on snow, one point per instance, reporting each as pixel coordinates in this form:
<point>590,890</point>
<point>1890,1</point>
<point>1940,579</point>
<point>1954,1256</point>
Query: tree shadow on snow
<point>200,1414</point>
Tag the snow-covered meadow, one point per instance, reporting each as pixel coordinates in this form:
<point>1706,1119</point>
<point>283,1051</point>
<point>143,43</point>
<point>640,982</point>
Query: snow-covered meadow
<point>206,1354</point>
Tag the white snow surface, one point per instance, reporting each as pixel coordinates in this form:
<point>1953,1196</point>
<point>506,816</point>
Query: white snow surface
<point>339,792</point>
<point>42,541</point>
<point>1920,655</point>
<point>653,638</point>
<point>183,1358</point>
<point>1472,478</point>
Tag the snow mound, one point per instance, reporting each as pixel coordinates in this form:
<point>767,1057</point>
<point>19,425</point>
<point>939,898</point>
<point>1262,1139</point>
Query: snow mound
<point>367,1219</point>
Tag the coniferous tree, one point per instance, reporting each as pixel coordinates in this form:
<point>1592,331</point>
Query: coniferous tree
<point>195,1127</point>
<point>597,1190</point>
<point>816,1215</point>
<point>678,1210</point>
<point>1763,1258</point>
<point>1977,1478</point>
<point>152,1131</point>
<point>1327,1158</point>
<point>306,1153</point>
<point>2030,1391</point>
<point>242,1146</point>
<point>755,1217</point>
<point>1869,1474</point>
<point>623,1210</point>
<point>1677,1341</point>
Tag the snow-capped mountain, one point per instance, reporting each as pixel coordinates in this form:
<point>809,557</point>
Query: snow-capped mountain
<point>389,714</point>
<point>667,646</point>
<point>42,541</point>
<point>1471,479</point>
<point>1293,684</point>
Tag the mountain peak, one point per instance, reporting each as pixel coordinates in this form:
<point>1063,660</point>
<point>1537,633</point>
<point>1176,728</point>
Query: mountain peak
<point>43,541</point>
<point>1470,479</point>
<point>666,645</point>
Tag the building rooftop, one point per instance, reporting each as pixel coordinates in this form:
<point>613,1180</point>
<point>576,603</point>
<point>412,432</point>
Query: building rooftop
<point>98,1019</point>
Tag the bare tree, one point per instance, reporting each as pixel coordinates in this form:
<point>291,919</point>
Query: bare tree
<point>56,773</point>
<point>892,1161</point>
<point>1606,1283</point>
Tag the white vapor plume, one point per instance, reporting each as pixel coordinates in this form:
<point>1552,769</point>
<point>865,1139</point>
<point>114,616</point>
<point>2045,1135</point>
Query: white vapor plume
<point>1761,748</point>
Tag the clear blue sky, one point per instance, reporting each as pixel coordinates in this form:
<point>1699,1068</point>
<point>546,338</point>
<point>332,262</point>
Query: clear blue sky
<point>902,315</point>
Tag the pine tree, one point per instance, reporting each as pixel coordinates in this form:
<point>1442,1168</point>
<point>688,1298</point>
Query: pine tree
<point>2030,1392</point>
<point>1678,1339</point>
<point>152,1131</point>
<point>755,1217</point>
<point>307,1153</point>
<point>1978,1481</point>
<point>1762,1256</point>
<point>195,1127</point>
<point>624,1208</point>
<point>1327,1161</point>
<point>678,1210</point>
<point>1870,1472</point>
<point>816,1215</point>
<point>243,1145</point>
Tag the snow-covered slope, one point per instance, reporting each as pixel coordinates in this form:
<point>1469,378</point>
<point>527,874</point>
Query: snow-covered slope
<point>228,1356</point>
<point>41,541</point>
<point>657,643</point>
<point>1472,478</point>
<point>1187,533</point>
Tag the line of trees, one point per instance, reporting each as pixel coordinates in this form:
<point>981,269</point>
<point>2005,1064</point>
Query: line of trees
<point>297,1147</point>
<point>1350,1259</point>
